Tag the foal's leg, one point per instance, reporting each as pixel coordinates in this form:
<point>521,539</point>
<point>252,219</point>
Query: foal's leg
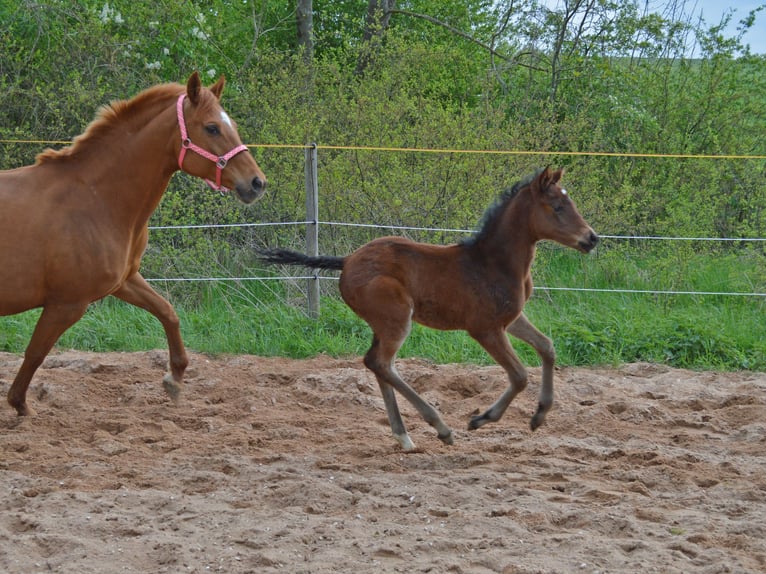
<point>137,291</point>
<point>54,320</point>
<point>497,345</point>
<point>380,360</point>
<point>389,399</point>
<point>527,332</point>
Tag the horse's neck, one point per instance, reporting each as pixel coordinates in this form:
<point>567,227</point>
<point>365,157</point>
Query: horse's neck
<point>510,245</point>
<point>131,165</point>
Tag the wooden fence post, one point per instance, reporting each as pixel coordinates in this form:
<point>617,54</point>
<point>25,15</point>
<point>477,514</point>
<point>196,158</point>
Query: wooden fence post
<point>312,226</point>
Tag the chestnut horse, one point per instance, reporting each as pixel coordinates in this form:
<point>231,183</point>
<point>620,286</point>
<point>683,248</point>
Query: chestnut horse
<point>73,226</point>
<point>479,285</point>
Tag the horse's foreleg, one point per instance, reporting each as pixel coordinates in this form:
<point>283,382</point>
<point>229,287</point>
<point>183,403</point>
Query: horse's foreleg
<point>137,291</point>
<point>497,345</point>
<point>54,320</point>
<point>527,332</point>
<point>380,361</point>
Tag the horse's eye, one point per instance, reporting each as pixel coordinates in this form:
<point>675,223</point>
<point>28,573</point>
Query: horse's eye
<point>212,129</point>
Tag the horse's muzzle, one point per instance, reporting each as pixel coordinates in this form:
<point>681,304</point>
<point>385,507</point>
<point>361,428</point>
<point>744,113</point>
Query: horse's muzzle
<point>256,189</point>
<point>588,242</point>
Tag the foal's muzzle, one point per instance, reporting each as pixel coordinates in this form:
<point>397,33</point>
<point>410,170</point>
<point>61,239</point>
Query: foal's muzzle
<point>588,242</point>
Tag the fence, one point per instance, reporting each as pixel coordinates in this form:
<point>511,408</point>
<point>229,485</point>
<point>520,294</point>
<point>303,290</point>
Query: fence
<point>312,224</point>
<point>312,221</point>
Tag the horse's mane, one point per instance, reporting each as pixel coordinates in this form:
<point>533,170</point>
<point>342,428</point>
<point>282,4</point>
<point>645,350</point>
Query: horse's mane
<point>108,116</point>
<point>497,208</point>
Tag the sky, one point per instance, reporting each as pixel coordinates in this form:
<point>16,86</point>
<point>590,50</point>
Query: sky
<point>713,10</point>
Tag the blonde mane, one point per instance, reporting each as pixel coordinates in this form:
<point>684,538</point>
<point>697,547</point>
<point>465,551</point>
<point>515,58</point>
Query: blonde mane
<point>108,116</point>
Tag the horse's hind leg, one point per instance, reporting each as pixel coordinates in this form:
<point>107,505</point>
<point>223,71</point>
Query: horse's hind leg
<point>54,320</point>
<point>527,332</point>
<point>137,291</point>
<point>497,345</point>
<point>394,416</point>
<point>380,360</point>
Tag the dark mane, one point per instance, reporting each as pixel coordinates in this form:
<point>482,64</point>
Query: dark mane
<point>110,115</point>
<point>497,208</point>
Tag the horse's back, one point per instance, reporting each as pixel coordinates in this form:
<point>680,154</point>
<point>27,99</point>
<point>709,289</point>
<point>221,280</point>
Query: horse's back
<point>419,279</point>
<point>33,201</point>
<point>445,287</point>
<point>397,257</point>
<point>30,187</point>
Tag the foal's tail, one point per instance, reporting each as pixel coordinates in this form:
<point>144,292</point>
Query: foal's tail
<point>287,257</point>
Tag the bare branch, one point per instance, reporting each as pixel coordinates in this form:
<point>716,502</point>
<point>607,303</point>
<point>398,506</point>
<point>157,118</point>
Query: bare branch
<point>512,59</point>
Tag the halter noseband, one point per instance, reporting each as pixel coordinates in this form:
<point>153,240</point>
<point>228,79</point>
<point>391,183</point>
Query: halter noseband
<point>186,144</point>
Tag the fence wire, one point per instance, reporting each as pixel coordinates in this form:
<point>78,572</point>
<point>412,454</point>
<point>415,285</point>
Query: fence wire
<point>317,276</point>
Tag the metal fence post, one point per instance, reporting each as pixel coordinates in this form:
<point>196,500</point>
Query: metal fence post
<point>312,226</point>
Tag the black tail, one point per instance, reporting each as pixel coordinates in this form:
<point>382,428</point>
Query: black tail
<point>287,257</point>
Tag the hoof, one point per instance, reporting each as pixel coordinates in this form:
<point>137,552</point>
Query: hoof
<point>538,418</point>
<point>477,421</point>
<point>172,387</point>
<point>537,421</point>
<point>447,438</point>
<point>405,442</point>
<point>25,411</point>
<point>20,406</point>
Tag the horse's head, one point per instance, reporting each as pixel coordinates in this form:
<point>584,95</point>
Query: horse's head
<point>556,216</point>
<point>219,155</point>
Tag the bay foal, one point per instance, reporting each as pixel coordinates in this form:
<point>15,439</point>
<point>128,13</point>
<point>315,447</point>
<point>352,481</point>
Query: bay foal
<point>479,285</point>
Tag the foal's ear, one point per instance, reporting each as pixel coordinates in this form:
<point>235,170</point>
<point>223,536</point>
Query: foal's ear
<point>217,88</point>
<point>193,87</point>
<point>548,177</point>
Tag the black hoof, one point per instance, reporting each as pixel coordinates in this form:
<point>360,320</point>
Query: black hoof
<point>476,422</point>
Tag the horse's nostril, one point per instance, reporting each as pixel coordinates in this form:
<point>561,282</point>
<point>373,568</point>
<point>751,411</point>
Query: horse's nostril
<point>258,183</point>
<point>594,238</point>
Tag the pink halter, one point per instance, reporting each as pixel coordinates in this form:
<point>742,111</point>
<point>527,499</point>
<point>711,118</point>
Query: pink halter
<point>186,144</point>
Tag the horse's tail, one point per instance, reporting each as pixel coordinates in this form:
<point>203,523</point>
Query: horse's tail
<point>287,257</point>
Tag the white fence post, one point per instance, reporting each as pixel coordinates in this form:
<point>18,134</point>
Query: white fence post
<point>312,226</point>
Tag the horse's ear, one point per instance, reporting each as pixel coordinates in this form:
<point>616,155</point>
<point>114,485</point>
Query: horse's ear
<point>548,177</point>
<point>217,88</point>
<point>544,178</point>
<point>193,87</point>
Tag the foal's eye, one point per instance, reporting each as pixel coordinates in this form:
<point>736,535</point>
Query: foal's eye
<point>212,129</point>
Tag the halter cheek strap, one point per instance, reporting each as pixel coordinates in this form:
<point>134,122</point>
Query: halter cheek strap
<point>186,145</point>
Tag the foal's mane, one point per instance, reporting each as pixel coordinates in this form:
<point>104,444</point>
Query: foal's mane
<point>493,213</point>
<point>115,113</point>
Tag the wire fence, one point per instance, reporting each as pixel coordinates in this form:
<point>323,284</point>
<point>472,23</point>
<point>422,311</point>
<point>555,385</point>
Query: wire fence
<point>312,223</point>
<point>315,276</point>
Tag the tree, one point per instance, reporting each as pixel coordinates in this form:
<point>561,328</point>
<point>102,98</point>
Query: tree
<point>305,19</point>
<point>376,23</point>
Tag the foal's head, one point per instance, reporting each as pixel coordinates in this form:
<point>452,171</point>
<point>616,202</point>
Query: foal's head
<point>554,216</point>
<point>210,127</point>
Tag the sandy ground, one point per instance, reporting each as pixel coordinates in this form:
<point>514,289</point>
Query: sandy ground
<point>274,465</point>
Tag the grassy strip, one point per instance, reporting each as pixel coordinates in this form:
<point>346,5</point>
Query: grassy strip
<point>699,332</point>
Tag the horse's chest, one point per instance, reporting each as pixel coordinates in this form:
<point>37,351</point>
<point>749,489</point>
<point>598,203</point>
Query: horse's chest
<point>502,300</point>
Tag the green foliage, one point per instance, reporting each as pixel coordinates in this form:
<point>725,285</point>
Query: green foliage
<point>685,331</point>
<point>623,84</point>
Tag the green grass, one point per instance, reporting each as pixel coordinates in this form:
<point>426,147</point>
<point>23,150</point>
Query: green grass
<point>588,328</point>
